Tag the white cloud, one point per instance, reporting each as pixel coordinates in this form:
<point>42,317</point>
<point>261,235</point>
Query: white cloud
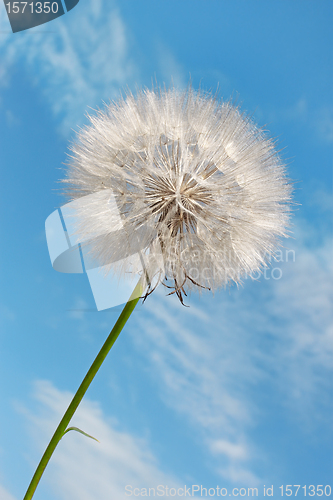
<point>324,124</point>
<point>321,201</point>
<point>319,121</point>
<point>5,495</point>
<point>171,70</point>
<point>74,71</point>
<point>302,301</point>
<point>299,111</point>
<point>82,468</point>
<point>231,450</point>
<point>238,475</point>
<point>200,363</point>
<point>208,361</point>
<point>80,59</point>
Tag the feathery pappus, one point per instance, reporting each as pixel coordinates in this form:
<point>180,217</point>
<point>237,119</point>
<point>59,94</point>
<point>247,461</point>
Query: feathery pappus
<point>190,174</point>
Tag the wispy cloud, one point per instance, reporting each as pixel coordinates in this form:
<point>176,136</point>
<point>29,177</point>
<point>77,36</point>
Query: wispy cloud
<point>301,308</point>
<point>74,72</point>
<point>210,360</point>
<point>200,362</point>
<point>5,495</point>
<point>324,123</point>
<point>317,120</point>
<point>171,70</point>
<point>82,468</point>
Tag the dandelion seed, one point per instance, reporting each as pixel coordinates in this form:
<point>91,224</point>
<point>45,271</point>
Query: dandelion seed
<point>188,173</point>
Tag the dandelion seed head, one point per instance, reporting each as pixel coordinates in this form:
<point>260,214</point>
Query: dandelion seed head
<point>190,174</point>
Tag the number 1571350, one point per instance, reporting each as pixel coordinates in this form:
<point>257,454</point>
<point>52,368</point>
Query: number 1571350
<point>33,8</point>
<point>311,490</point>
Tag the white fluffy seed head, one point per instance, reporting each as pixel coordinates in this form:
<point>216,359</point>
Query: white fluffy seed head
<point>188,173</point>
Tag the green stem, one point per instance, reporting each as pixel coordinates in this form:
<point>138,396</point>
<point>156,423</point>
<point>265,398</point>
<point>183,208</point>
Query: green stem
<point>125,314</point>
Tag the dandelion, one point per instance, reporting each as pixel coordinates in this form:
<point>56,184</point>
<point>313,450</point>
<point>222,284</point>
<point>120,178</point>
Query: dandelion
<point>181,174</point>
<point>189,172</point>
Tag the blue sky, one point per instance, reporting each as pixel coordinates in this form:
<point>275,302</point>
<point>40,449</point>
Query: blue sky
<point>235,391</point>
